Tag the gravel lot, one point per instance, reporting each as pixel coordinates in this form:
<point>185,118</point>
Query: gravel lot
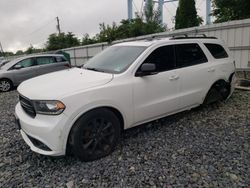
<point>205,147</point>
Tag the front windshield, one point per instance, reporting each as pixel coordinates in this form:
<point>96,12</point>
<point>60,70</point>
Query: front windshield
<point>114,59</point>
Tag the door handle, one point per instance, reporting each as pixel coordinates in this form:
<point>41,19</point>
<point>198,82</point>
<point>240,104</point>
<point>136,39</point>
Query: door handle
<point>174,77</point>
<point>211,69</point>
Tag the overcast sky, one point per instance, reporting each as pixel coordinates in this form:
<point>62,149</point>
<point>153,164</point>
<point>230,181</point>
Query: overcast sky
<point>25,22</point>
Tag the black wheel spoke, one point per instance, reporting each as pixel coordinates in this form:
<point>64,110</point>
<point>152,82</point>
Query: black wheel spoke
<point>95,135</point>
<point>108,133</point>
<point>86,146</point>
<point>94,146</point>
<point>107,126</point>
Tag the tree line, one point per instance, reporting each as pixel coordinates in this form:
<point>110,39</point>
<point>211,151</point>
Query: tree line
<point>148,23</point>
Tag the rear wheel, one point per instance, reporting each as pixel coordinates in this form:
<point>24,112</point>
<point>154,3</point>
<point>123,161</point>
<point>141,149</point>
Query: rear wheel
<point>218,92</point>
<point>95,135</point>
<point>5,85</point>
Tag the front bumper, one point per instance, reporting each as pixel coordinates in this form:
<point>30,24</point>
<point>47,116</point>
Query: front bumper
<point>47,130</point>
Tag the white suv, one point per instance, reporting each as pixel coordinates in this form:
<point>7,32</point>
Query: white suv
<point>83,110</point>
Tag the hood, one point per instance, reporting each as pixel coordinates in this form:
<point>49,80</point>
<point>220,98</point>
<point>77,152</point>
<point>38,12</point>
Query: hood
<point>55,85</point>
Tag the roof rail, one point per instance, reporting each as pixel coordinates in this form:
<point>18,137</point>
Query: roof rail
<point>186,36</point>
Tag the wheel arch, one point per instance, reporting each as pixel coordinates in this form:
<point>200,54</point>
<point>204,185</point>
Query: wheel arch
<point>6,78</point>
<point>219,81</point>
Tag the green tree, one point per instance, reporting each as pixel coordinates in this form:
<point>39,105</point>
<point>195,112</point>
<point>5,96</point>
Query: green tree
<point>8,54</point>
<point>186,15</point>
<point>87,40</point>
<point>226,10</point>
<point>30,50</point>
<point>128,28</point>
<point>19,52</point>
<point>131,28</point>
<point>62,40</point>
<point>107,33</point>
<point>151,15</point>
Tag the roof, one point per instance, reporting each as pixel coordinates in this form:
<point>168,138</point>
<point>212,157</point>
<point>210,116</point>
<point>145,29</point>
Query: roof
<point>14,61</point>
<point>149,42</point>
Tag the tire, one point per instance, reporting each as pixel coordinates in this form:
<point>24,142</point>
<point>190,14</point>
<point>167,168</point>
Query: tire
<point>5,85</point>
<point>95,135</point>
<point>218,92</point>
<point>224,90</point>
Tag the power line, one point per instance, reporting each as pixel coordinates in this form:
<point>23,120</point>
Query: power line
<point>142,7</point>
<point>173,3</point>
<point>200,4</point>
<point>135,6</point>
<point>40,28</point>
<point>168,10</point>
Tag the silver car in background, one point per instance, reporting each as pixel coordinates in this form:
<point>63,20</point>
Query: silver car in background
<point>18,70</point>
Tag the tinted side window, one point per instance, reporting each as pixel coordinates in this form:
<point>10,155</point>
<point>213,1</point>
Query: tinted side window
<point>60,59</point>
<point>45,60</point>
<point>216,50</point>
<point>163,58</point>
<point>26,63</point>
<point>189,54</point>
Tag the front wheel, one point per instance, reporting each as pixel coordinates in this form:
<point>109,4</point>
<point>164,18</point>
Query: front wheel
<point>95,134</point>
<point>5,85</point>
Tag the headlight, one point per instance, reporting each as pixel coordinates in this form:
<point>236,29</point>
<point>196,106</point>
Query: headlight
<point>49,107</point>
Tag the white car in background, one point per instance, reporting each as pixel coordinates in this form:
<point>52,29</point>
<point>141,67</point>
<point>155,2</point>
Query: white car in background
<point>84,110</point>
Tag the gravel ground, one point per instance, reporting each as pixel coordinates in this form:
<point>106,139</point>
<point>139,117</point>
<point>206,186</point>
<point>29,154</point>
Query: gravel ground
<point>204,147</point>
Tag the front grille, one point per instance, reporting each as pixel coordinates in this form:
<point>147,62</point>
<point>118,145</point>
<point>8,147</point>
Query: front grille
<point>27,106</point>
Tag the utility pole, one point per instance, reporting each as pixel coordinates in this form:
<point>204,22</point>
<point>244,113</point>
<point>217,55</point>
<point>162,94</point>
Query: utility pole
<point>1,48</point>
<point>58,25</point>
<point>130,9</point>
<point>160,9</point>
<point>162,2</point>
<point>208,12</point>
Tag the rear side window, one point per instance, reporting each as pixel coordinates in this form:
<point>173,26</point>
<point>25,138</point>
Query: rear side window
<point>163,58</point>
<point>60,59</point>
<point>189,54</point>
<point>217,51</point>
<point>45,60</point>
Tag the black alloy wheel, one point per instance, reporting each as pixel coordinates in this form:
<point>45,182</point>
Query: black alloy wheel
<point>95,135</point>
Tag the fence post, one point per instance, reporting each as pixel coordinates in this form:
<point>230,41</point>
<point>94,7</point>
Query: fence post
<point>75,55</point>
<point>87,52</point>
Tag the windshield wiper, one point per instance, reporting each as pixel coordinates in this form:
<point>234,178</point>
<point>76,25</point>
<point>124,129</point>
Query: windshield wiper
<point>93,69</point>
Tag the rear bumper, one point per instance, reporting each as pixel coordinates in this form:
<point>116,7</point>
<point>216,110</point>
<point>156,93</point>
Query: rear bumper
<point>43,134</point>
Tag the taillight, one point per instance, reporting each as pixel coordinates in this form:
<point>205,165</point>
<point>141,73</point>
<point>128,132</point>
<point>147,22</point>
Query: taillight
<point>67,65</point>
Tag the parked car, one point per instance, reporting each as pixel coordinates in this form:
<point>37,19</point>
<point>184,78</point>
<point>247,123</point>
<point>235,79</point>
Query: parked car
<point>18,70</point>
<point>1,59</point>
<point>3,62</point>
<point>83,110</point>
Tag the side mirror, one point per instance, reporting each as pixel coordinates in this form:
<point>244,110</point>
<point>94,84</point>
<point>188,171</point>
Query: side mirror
<point>18,67</point>
<point>147,69</point>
